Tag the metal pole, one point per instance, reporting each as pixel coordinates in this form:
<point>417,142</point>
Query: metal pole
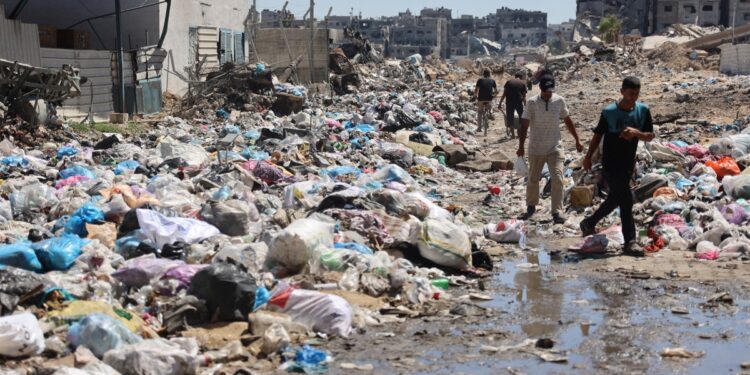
<point>734,22</point>
<point>312,40</point>
<point>120,61</point>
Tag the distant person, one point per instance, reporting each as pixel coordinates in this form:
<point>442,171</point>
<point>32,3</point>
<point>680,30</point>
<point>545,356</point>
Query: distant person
<point>484,92</point>
<point>541,120</point>
<point>622,125</point>
<point>514,94</point>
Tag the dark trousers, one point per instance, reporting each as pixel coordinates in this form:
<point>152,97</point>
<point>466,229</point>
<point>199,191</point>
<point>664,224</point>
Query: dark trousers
<point>620,195</point>
<point>511,109</point>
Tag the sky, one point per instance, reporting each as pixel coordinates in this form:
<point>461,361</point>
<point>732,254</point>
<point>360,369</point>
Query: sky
<point>557,10</point>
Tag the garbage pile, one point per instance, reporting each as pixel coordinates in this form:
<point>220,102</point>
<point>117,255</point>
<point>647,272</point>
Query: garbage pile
<point>120,252</point>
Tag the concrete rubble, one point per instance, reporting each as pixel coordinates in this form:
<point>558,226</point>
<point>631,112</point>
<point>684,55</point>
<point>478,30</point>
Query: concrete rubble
<point>261,220</point>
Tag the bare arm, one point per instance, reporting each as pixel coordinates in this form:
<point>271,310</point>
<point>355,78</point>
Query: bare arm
<point>630,133</point>
<point>592,148</point>
<point>572,129</point>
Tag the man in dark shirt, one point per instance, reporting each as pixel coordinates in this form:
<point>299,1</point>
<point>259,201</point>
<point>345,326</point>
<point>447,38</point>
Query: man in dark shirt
<point>622,125</point>
<point>484,91</point>
<point>514,93</point>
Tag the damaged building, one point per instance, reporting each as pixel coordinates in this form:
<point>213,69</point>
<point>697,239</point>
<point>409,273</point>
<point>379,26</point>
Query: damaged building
<point>519,27</point>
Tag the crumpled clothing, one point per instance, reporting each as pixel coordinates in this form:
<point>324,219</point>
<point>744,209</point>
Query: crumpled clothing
<point>267,172</point>
<point>365,223</point>
<point>73,180</point>
<point>672,220</point>
<point>657,243</point>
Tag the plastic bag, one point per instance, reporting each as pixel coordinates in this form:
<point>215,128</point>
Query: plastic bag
<point>444,243</point>
<point>393,172</point>
<point>16,283</point>
<point>275,339</point>
<point>162,230</point>
<point>59,253</point>
<point>510,231</point>
<point>734,213</point>
<point>20,335</point>
<point>77,170</point>
<point>126,166</point>
<point>396,151</point>
<point>293,247</point>
<point>138,272</point>
<point>100,333</point>
<point>725,166</point>
<point>309,361</point>
<point>706,250</point>
<point>229,293</point>
<point>33,198</point>
<point>15,161</point>
<point>318,311</point>
<point>183,273</point>
<point>738,187</point>
<point>233,217</point>
<point>20,255</point>
<point>520,167</point>
<point>354,246</point>
<point>151,357</point>
<point>336,173</point>
<point>88,213</point>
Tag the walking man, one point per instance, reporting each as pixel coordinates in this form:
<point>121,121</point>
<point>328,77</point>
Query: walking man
<point>542,119</point>
<point>514,94</point>
<point>484,91</point>
<point>622,125</point>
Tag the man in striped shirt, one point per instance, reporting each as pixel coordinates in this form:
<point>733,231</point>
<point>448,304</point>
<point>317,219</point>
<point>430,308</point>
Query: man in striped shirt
<point>542,118</point>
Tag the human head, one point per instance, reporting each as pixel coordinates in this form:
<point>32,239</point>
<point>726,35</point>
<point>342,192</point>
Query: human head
<point>547,86</point>
<point>520,75</point>
<point>487,73</point>
<point>631,89</point>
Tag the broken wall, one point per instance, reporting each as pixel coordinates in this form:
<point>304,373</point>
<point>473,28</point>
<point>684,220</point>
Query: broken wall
<point>279,47</point>
<point>735,59</point>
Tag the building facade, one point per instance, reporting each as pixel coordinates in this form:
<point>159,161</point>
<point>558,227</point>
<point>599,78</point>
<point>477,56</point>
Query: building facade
<point>518,27</point>
<point>425,36</point>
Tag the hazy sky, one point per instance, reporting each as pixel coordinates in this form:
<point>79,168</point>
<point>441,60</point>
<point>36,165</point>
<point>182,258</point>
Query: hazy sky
<point>558,10</point>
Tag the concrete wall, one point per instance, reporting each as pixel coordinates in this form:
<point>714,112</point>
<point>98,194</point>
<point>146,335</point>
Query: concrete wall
<point>273,49</point>
<point>18,41</point>
<point>735,59</point>
<point>229,14</point>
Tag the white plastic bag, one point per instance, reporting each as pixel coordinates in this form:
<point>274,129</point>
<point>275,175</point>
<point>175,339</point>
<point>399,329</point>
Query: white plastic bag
<point>151,357</point>
<point>275,339</point>
<point>20,335</point>
<point>162,230</point>
<point>510,231</point>
<point>520,167</point>
<point>294,246</point>
<point>444,243</point>
<point>318,311</point>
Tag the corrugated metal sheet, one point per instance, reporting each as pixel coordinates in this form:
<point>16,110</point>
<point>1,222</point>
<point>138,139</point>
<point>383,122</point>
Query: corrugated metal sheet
<point>97,67</point>
<point>18,41</point>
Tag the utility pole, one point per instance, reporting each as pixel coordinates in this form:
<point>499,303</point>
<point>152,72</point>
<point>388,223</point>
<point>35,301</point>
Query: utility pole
<point>120,61</point>
<point>312,39</point>
<point>734,22</point>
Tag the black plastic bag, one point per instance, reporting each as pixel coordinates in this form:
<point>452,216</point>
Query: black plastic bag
<point>229,293</point>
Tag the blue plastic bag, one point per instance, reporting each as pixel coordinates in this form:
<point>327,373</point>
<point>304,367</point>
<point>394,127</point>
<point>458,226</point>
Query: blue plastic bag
<point>59,253</point>
<point>221,112</point>
<point>260,68</point>
<point>66,151</point>
<point>262,296</point>
<point>20,255</point>
<point>100,333</point>
<point>252,134</point>
<point>354,247</point>
<point>251,154</point>
<point>222,194</point>
<point>424,128</point>
<point>309,361</point>
<point>76,170</point>
<point>337,172</point>
<point>88,213</point>
<point>127,165</point>
<point>15,161</point>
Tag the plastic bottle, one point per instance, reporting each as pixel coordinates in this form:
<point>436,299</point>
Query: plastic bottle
<point>522,241</point>
<point>441,283</point>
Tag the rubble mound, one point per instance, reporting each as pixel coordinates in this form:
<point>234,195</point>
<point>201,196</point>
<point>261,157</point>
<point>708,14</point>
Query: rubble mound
<point>673,56</point>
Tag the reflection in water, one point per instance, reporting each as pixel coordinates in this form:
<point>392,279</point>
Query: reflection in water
<point>542,303</point>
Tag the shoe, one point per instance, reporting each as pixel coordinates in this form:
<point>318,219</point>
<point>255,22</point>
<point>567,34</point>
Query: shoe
<point>530,210</point>
<point>559,218</point>
<point>586,228</point>
<point>633,249</point>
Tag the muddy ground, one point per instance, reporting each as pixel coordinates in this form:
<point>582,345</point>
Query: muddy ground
<point>610,314</point>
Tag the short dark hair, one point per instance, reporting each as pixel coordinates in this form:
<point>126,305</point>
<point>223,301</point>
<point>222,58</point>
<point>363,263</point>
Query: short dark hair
<point>631,83</point>
<point>520,75</point>
<point>487,72</point>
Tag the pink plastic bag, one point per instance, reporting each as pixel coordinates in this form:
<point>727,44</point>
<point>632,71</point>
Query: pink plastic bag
<point>734,213</point>
<point>74,180</point>
<point>138,272</point>
<point>183,273</point>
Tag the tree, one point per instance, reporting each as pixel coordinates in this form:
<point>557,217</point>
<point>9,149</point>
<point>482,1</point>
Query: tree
<point>609,28</point>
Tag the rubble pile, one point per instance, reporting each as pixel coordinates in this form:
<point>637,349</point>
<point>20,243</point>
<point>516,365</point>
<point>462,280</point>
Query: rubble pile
<point>250,225</point>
